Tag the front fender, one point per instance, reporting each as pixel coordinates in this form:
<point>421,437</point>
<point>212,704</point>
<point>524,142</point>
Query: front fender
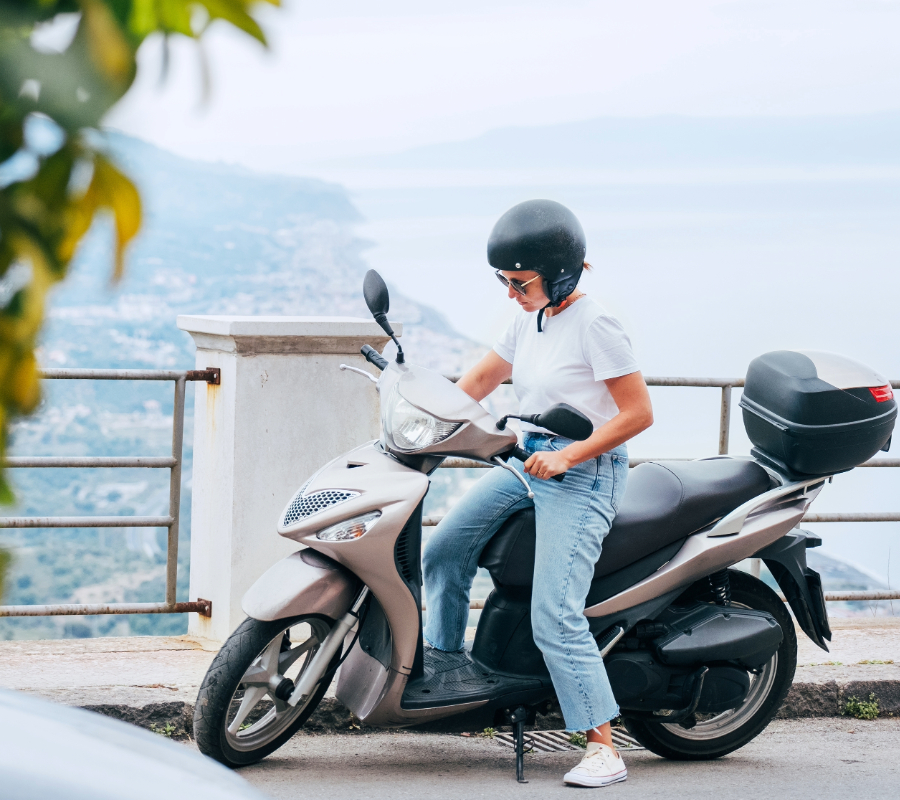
<point>305,582</point>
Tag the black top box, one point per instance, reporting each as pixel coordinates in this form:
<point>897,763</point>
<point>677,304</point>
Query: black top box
<point>812,413</point>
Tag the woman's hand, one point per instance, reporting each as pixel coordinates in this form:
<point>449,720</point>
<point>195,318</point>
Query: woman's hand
<point>546,463</point>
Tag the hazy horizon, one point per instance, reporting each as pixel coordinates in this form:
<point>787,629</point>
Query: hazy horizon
<point>349,78</point>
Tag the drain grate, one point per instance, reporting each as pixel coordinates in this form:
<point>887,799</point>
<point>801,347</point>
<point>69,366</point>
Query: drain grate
<point>556,741</point>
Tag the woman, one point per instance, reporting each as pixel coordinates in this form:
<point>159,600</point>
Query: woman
<point>575,353</point>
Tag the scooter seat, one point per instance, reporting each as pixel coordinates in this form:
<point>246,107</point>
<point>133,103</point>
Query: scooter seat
<point>664,502</point>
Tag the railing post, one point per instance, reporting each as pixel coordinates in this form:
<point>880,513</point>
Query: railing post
<point>175,492</point>
<point>725,420</point>
<point>282,410</point>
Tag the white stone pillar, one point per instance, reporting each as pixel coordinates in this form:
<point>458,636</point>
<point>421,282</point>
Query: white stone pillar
<point>283,409</point>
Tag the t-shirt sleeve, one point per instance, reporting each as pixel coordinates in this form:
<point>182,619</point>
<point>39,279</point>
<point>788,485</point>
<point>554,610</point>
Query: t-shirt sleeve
<point>505,346</point>
<point>609,349</point>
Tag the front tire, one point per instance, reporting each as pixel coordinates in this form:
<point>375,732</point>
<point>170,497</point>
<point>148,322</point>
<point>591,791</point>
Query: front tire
<point>717,735</point>
<point>238,720</point>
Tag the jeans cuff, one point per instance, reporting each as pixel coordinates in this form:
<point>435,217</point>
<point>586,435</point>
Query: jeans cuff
<point>441,649</point>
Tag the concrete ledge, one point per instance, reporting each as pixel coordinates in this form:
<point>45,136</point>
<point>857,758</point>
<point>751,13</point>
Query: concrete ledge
<point>823,691</point>
<point>284,335</point>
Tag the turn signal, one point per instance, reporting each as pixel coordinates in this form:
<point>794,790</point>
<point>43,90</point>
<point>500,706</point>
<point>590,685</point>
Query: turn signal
<point>882,393</point>
<point>349,528</point>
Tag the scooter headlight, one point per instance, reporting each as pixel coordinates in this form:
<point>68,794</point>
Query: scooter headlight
<point>349,528</point>
<point>412,429</point>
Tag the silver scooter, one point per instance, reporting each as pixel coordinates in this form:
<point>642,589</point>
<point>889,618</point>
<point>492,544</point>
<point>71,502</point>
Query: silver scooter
<point>700,656</point>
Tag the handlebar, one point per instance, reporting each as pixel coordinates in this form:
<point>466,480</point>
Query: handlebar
<point>374,357</point>
<point>523,456</point>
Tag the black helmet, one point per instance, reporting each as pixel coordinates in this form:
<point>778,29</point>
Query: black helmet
<point>542,236</point>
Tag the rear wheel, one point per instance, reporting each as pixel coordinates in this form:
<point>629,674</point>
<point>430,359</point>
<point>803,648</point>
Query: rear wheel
<point>715,735</point>
<point>238,719</point>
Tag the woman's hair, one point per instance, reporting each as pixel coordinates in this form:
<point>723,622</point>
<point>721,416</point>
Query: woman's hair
<point>587,267</point>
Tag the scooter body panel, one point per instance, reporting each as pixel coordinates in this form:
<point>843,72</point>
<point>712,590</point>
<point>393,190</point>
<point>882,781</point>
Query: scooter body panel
<point>707,552</point>
<point>374,694</point>
<point>378,482</point>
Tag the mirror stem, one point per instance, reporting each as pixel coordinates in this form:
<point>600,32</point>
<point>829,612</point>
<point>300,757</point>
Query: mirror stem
<point>530,418</point>
<point>400,358</point>
<point>382,320</point>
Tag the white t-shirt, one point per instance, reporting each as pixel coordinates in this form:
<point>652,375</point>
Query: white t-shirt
<point>568,362</point>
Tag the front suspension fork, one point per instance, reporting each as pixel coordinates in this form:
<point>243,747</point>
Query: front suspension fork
<point>327,650</point>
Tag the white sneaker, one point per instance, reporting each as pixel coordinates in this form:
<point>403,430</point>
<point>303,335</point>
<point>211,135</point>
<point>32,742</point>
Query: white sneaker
<point>600,766</point>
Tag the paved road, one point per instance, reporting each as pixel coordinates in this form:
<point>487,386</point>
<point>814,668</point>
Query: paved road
<point>815,759</point>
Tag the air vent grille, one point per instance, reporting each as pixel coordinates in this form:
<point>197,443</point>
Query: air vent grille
<point>408,550</point>
<point>302,506</point>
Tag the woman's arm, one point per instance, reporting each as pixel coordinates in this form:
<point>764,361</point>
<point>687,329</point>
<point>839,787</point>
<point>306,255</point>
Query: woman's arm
<point>485,376</point>
<point>635,415</point>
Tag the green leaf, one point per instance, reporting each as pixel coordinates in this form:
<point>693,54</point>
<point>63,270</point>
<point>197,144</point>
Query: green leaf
<point>110,51</point>
<point>116,192</point>
<point>6,498</point>
<point>235,12</point>
<point>42,220</point>
<point>143,20</point>
<point>175,16</point>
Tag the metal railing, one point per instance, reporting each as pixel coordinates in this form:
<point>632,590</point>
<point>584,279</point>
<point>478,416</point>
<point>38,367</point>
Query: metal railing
<point>173,463</point>
<point>170,521</point>
<point>727,385</point>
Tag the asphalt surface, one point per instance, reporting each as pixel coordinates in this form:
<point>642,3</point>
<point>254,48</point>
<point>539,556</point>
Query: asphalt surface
<point>813,758</point>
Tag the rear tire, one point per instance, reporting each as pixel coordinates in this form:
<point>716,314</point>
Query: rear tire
<point>723,733</point>
<point>254,652</point>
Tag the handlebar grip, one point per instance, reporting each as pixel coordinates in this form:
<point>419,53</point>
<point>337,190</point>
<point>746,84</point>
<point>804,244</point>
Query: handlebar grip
<point>374,357</point>
<point>523,456</point>
<point>519,453</point>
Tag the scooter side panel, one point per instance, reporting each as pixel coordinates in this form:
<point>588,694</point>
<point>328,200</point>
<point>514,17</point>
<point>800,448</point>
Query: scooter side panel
<point>374,695</point>
<point>298,585</point>
<point>702,555</point>
<point>361,682</point>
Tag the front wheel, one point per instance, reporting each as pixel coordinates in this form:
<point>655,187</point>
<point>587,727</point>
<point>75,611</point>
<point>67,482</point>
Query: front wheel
<point>238,719</point>
<point>715,735</point>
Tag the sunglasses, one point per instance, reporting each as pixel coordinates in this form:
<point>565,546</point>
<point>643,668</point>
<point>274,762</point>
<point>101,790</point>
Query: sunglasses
<point>517,286</point>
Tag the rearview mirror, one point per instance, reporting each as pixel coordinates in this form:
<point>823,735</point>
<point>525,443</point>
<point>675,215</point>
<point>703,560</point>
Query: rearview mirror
<point>564,420</point>
<point>375,292</point>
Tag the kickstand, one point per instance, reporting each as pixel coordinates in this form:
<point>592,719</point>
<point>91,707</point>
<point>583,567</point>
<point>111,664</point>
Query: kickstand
<point>518,721</point>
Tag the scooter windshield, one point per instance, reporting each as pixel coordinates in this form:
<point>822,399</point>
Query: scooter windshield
<point>423,412</point>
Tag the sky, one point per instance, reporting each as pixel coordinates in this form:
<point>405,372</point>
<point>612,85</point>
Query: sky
<point>350,77</point>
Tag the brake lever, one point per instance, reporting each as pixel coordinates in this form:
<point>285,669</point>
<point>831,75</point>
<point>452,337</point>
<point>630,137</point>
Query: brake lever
<point>359,371</point>
<point>501,463</point>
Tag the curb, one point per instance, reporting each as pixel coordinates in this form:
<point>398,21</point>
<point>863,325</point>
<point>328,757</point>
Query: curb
<point>828,698</point>
<point>804,701</point>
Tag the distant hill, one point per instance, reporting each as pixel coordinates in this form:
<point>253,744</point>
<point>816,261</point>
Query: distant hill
<point>219,239</point>
<point>665,141</point>
<point>216,239</point>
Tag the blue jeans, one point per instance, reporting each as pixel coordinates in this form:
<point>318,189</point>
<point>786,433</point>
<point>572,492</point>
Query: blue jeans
<point>572,518</point>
